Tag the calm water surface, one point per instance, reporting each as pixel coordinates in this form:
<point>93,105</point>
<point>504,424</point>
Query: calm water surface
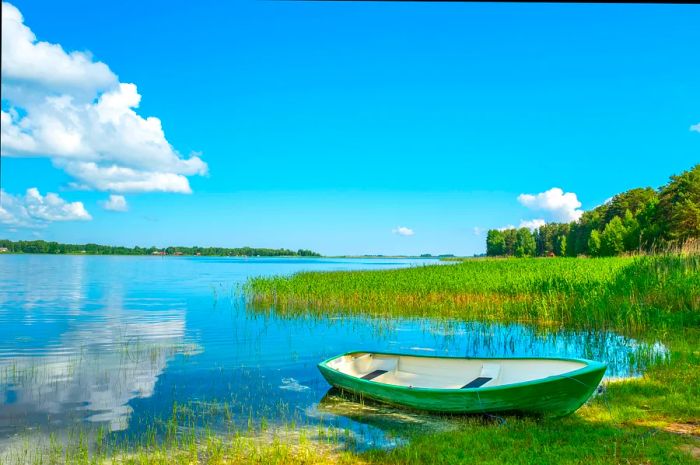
<point>117,341</point>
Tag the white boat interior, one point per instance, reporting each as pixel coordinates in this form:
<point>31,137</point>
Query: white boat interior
<point>448,373</point>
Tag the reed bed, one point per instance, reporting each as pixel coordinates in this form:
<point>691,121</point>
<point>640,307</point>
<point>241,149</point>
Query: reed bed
<point>629,293</point>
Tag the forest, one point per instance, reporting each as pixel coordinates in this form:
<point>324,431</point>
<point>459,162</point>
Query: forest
<point>640,220</point>
<point>40,246</point>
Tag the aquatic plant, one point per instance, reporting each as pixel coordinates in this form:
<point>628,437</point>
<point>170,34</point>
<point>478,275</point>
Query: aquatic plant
<point>630,293</point>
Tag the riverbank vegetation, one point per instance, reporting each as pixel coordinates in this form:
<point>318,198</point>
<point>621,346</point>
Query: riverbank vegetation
<point>625,293</point>
<point>44,247</point>
<point>638,220</point>
<point>651,419</point>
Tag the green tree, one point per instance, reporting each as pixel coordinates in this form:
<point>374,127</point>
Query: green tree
<point>561,246</point>
<point>495,243</point>
<point>649,228</point>
<point>633,200</point>
<point>578,241</point>
<point>632,232</point>
<point>524,243</point>
<point>678,212</point>
<point>510,238</point>
<point>594,243</point>
<point>545,239</point>
<point>613,238</point>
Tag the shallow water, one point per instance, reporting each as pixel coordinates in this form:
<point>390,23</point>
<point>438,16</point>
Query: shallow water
<point>117,341</point>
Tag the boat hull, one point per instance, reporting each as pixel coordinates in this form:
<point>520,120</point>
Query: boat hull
<point>554,396</point>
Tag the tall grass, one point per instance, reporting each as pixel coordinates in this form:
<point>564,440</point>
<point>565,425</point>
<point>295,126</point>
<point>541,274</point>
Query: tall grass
<point>631,293</point>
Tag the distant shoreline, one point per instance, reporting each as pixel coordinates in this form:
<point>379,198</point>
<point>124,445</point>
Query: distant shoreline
<point>41,247</point>
<point>422,257</point>
<point>56,248</point>
<point>349,257</point>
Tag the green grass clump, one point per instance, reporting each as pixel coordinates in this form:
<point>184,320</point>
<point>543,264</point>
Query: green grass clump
<point>631,293</point>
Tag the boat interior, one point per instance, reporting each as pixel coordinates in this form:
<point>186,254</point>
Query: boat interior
<point>448,373</point>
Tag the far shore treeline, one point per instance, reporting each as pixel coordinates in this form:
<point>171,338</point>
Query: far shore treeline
<point>636,221</point>
<point>95,249</point>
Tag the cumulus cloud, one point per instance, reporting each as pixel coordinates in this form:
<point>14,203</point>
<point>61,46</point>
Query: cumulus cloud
<point>532,224</point>
<point>73,110</point>
<point>35,211</point>
<point>563,207</point>
<point>115,203</point>
<point>28,61</point>
<point>121,179</point>
<point>403,231</point>
<point>695,127</point>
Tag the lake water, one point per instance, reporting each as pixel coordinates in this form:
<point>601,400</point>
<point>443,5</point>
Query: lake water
<point>114,342</point>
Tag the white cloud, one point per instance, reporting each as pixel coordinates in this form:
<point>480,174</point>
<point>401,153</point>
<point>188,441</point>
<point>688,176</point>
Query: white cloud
<point>28,62</point>
<point>74,110</point>
<point>563,207</point>
<point>35,211</point>
<point>477,230</point>
<point>115,203</point>
<point>120,179</point>
<point>532,224</point>
<point>53,208</point>
<point>529,224</point>
<point>14,213</point>
<point>695,127</point>
<point>403,231</point>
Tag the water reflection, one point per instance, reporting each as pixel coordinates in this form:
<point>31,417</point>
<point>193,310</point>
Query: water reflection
<point>95,368</point>
<point>373,424</point>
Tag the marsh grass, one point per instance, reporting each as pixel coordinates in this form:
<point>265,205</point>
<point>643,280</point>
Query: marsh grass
<point>626,293</point>
<point>631,421</point>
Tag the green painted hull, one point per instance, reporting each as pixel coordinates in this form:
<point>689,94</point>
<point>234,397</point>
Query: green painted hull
<point>554,396</point>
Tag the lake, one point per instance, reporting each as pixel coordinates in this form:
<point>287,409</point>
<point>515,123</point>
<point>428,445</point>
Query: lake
<point>116,342</point>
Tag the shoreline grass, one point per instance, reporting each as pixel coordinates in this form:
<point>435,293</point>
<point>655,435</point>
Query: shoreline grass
<point>632,294</point>
<point>633,421</point>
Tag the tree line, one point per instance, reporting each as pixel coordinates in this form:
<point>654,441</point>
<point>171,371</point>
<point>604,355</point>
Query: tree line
<point>42,247</point>
<point>637,220</point>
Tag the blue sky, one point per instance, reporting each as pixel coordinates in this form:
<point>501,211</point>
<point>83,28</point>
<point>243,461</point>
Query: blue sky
<point>331,126</point>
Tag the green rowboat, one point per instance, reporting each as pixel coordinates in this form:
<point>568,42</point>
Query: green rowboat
<point>541,386</point>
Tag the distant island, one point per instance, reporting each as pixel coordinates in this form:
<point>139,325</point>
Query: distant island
<point>44,247</point>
